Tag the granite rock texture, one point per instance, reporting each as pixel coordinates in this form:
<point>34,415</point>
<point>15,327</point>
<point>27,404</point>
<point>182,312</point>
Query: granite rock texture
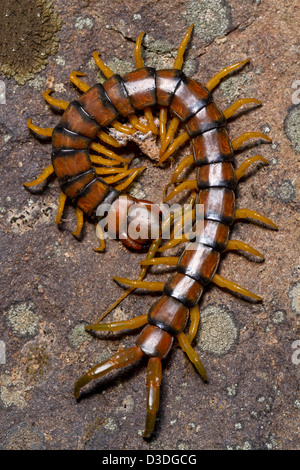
<point>52,285</point>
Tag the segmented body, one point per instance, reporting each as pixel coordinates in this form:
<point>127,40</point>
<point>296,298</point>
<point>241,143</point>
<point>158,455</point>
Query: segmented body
<point>213,156</point>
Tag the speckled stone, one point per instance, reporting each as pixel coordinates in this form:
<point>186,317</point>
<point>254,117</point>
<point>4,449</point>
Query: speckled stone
<point>52,285</point>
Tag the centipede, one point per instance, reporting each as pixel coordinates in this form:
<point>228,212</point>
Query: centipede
<point>186,107</point>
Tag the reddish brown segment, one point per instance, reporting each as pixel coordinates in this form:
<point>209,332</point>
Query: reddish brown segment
<point>154,341</point>
<point>77,120</point>
<point>189,98</point>
<point>185,289</point>
<point>199,262</point>
<point>169,314</point>
<point>68,164</point>
<point>76,185</point>
<point>214,234</point>
<point>212,147</point>
<point>92,196</point>
<point>116,92</point>
<point>220,174</point>
<point>219,204</point>
<point>97,104</point>
<point>66,139</point>
<point>141,88</point>
<point>166,83</point>
<point>204,120</point>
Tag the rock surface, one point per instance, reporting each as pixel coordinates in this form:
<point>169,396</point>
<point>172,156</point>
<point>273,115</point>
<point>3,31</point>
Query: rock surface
<point>52,285</point>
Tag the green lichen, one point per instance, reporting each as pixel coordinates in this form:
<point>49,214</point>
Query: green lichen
<point>292,127</point>
<point>27,37</point>
<point>217,330</point>
<point>22,319</point>
<point>211,18</point>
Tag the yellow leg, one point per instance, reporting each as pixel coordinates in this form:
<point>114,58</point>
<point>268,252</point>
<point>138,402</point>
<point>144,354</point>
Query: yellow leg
<point>79,217</point>
<point>188,184</point>
<point>140,64</point>
<point>237,143</point>
<point>119,325</point>
<point>151,253</point>
<point>249,214</point>
<point>237,104</point>
<point>108,139</point>
<point>47,132</point>
<point>215,80</point>
<point>135,122</point>
<point>168,260</point>
<point>238,245</point>
<point>154,373</point>
<point>77,82</point>
<point>181,139</point>
<point>163,114</point>
<point>185,163</point>
<point>181,50</point>
<point>61,205</point>
<point>232,286</point>
<point>239,173</point>
<point>170,134</point>
<point>195,319</point>
<point>109,153</point>
<point>110,171</point>
<point>130,179</point>
<point>49,170</point>
<point>53,101</point>
<point>152,286</point>
<point>191,354</point>
<point>114,179</point>
<point>100,235</point>
<point>107,72</point>
<point>97,160</point>
<point>176,241</point>
<point>121,359</point>
<point>122,128</point>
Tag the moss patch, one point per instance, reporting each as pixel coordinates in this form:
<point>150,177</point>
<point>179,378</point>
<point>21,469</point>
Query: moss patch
<point>27,37</point>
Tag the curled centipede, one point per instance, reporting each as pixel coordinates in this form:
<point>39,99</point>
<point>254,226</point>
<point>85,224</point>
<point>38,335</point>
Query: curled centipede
<point>190,105</point>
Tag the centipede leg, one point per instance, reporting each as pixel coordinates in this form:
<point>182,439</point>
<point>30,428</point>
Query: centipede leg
<point>49,170</point>
<point>181,50</point>
<point>238,104</point>
<point>152,286</point>
<point>185,163</point>
<point>169,135</point>
<point>61,205</point>
<point>215,80</point>
<point>239,172</point>
<point>100,235</point>
<point>140,64</point>
<point>249,214</point>
<point>180,140</point>
<point>77,82</point>
<point>133,172</point>
<point>79,217</point>
<point>61,104</point>
<point>130,324</point>
<point>119,360</point>
<point>233,287</point>
<point>46,132</point>
<point>189,184</point>
<point>191,354</point>
<point>154,375</point>
<point>238,142</point>
<point>167,260</point>
<point>195,319</point>
<point>238,245</point>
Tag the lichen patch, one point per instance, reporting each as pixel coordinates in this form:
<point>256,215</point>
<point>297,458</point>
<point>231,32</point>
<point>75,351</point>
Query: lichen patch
<point>27,37</point>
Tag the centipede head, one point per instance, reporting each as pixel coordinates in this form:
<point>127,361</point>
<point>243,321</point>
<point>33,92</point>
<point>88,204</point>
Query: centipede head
<point>136,222</point>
